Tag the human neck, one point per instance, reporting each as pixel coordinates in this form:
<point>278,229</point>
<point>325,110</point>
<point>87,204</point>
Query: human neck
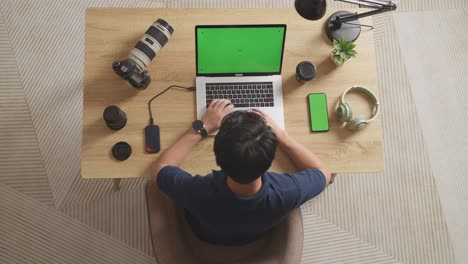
<point>248,189</point>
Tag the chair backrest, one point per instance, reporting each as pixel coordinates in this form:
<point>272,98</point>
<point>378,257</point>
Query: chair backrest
<point>175,243</point>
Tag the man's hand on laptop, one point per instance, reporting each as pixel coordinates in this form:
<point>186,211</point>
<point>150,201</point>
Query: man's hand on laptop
<point>215,113</point>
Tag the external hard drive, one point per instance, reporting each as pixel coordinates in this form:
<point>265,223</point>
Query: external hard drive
<point>152,140</point>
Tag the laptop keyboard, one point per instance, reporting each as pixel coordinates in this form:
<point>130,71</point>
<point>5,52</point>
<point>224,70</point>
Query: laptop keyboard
<point>252,94</point>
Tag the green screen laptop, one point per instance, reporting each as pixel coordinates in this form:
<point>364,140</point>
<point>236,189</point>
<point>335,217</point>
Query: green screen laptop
<point>241,63</point>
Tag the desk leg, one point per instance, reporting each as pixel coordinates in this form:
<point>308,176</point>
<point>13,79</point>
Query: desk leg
<point>116,182</point>
<point>333,175</point>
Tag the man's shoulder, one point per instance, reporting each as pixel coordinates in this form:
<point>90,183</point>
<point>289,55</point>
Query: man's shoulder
<point>282,179</point>
<point>169,170</point>
<point>172,175</point>
<point>277,180</point>
<point>297,188</point>
<point>181,185</point>
<point>172,170</point>
<point>278,176</point>
<point>289,174</point>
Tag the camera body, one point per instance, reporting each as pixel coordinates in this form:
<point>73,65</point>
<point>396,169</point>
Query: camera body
<point>133,68</point>
<point>128,70</point>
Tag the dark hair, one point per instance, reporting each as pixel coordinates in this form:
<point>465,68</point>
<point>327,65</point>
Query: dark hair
<point>244,146</point>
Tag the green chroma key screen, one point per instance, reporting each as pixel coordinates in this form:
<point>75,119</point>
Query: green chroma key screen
<point>239,49</point>
<point>318,112</point>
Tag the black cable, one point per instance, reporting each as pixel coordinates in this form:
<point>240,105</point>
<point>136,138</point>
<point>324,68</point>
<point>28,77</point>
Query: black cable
<point>165,90</point>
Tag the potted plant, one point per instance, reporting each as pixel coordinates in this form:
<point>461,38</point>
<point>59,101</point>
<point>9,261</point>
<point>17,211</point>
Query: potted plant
<point>343,50</point>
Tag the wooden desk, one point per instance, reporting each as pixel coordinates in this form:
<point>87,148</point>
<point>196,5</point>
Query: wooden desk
<point>110,35</point>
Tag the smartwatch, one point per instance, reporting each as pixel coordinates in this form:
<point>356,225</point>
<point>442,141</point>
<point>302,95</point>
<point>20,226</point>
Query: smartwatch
<point>199,127</point>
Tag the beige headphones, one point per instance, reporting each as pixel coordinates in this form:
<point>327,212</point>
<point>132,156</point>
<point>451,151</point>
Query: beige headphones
<point>344,112</point>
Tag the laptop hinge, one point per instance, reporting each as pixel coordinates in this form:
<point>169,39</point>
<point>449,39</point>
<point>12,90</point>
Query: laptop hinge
<point>239,74</point>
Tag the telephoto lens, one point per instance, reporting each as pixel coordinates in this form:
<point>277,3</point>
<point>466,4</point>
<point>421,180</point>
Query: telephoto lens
<point>154,39</point>
<point>133,69</point>
<point>115,118</point>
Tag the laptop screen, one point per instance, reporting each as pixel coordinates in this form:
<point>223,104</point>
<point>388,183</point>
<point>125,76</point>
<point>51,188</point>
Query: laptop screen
<point>242,49</point>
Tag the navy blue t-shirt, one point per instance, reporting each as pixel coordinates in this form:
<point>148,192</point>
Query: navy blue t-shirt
<point>218,216</point>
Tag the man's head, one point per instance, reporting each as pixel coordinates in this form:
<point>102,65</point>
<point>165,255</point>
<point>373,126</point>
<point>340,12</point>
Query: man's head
<point>244,146</point>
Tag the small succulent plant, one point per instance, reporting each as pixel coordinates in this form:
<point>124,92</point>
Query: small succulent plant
<point>343,50</point>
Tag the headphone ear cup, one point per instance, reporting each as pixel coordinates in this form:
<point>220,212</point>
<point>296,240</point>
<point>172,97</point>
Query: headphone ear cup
<point>356,123</point>
<point>344,112</point>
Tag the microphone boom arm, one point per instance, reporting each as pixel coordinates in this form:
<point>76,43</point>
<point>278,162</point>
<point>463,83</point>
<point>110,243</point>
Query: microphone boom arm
<point>380,6</point>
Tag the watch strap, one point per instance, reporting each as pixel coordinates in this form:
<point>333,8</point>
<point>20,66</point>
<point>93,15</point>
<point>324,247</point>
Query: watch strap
<point>200,128</point>
<point>203,132</point>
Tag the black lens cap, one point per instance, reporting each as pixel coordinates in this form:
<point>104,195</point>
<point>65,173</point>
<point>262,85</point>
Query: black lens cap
<point>121,150</point>
<point>111,114</point>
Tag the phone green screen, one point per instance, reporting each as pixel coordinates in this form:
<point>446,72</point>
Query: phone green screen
<point>318,112</point>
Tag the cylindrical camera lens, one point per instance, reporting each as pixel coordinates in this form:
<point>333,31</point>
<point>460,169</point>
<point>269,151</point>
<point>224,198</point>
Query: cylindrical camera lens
<point>305,71</point>
<point>115,118</point>
<point>152,41</point>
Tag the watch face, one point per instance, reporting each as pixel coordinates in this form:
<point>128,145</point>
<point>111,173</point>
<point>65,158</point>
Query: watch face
<point>198,125</point>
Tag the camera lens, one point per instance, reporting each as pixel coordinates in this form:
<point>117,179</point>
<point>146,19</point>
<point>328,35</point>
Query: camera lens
<point>155,37</point>
<point>305,71</point>
<point>115,118</point>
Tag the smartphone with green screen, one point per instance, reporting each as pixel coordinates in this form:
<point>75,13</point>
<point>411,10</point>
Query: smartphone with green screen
<point>318,111</point>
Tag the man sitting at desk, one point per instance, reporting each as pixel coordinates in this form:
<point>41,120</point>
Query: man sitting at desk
<point>243,201</point>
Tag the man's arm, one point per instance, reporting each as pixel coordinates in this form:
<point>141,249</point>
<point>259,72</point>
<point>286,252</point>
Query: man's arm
<point>177,153</point>
<point>301,157</point>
